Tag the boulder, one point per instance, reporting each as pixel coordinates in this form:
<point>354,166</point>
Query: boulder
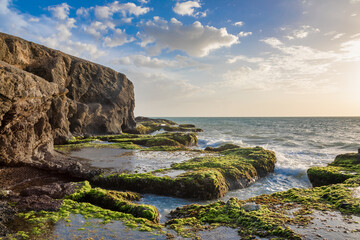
<point>25,130</point>
<point>94,99</point>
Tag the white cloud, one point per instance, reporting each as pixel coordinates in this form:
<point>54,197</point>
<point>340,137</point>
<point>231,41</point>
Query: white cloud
<point>75,48</point>
<point>34,19</point>
<point>153,62</point>
<point>64,29</point>
<point>11,21</point>
<point>167,87</point>
<point>103,12</point>
<point>337,36</point>
<point>244,34</point>
<point>239,24</point>
<point>292,68</point>
<point>274,42</point>
<point>351,49</point>
<point>334,35</point>
<point>186,8</point>
<point>117,39</point>
<point>302,32</point>
<point>195,39</point>
<point>60,11</point>
<point>245,59</point>
<point>83,12</point>
<point>129,9</point>
<point>96,29</point>
<point>144,1</point>
<point>126,9</point>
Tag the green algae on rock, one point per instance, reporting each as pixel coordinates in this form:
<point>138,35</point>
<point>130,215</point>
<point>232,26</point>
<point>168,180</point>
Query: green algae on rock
<point>345,167</point>
<point>114,200</point>
<point>146,125</point>
<point>94,203</point>
<point>275,217</point>
<point>204,177</point>
<point>173,141</point>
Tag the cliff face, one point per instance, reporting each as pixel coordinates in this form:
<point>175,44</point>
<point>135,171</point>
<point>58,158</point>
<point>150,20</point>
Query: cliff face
<point>47,96</point>
<point>25,132</point>
<point>98,99</point>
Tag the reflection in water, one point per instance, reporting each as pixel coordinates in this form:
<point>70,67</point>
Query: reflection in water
<point>122,160</point>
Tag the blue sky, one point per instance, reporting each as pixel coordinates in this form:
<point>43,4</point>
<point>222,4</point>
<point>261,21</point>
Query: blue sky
<point>211,57</point>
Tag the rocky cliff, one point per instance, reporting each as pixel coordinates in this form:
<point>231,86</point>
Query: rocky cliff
<point>46,96</point>
<point>98,99</point>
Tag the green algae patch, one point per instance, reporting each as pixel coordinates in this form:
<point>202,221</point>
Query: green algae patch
<point>148,125</point>
<point>201,184</point>
<point>274,216</point>
<point>222,148</point>
<point>98,203</point>
<point>97,144</point>
<point>165,142</point>
<point>42,220</point>
<point>116,201</point>
<point>262,223</point>
<point>207,177</point>
<point>345,167</point>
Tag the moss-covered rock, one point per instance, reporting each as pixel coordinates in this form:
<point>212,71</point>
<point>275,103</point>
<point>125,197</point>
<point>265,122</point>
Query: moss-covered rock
<point>115,201</point>
<point>277,212</point>
<point>186,139</point>
<point>176,140</point>
<point>344,167</point>
<point>201,184</point>
<point>149,125</point>
<point>222,148</point>
<point>205,177</point>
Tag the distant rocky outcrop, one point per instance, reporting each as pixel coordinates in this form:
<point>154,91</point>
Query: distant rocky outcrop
<point>47,96</point>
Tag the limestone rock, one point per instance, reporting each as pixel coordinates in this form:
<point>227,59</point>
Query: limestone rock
<point>95,99</point>
<point>25,131</point>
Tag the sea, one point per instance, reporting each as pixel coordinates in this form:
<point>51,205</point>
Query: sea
<point>299,143</point>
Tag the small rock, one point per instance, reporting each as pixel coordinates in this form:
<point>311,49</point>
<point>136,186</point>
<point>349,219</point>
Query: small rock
<point>249,207</point>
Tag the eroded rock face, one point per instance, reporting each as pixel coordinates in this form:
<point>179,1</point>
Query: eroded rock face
<point>25,131</point>
<point>95,100</point>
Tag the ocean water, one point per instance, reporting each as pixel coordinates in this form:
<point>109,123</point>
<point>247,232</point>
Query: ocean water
<point>299,143</point>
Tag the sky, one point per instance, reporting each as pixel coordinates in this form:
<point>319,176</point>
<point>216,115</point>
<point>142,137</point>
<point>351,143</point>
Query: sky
<point>210,58</point>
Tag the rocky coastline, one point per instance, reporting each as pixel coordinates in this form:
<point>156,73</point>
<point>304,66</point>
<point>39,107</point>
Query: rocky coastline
<point>52,104</point>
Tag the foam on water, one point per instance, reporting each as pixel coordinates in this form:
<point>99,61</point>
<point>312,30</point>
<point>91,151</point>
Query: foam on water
<point>299,143</point>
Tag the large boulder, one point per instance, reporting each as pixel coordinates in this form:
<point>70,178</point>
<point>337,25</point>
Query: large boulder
<point>95,100</point>
<point>25,131</point>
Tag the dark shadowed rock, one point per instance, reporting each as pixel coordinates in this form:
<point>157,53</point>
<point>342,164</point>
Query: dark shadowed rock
<point>55,190</point>
<point>38,203</point>
<point>7,213</point>
<point>46,197</point>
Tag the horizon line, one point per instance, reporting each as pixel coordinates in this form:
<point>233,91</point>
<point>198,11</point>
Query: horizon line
<point>251,116</point>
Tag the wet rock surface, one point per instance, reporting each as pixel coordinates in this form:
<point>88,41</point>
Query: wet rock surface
<point>7,213</point>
